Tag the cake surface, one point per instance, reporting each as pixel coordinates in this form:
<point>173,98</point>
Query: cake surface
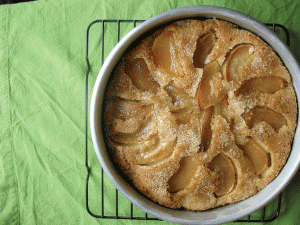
<point>200,114</point>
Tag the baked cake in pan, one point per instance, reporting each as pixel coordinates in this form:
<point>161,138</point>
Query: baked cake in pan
<point>200,114</point>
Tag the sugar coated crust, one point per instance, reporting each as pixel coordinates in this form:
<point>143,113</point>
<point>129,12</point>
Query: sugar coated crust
<point>200,114</point>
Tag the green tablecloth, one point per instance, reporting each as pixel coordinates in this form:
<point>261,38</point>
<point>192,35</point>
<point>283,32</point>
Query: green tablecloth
<point>42,81</point>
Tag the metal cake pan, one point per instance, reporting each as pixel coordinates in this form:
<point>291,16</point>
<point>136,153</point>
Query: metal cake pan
<point>221,214</point>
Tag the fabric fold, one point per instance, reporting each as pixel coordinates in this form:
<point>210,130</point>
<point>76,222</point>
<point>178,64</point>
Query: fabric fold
<point>9,196</point>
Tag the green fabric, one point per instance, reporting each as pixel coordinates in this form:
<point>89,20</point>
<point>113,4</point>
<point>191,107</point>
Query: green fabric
<point>42,81</point>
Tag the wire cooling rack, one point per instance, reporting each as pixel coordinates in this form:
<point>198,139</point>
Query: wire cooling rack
<point>113,30</point>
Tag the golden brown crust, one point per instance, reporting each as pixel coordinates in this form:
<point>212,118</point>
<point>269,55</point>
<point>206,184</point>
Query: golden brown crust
<point>200,114</point>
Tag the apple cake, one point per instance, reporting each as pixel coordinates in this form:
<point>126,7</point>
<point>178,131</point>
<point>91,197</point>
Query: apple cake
<point>199,114</point>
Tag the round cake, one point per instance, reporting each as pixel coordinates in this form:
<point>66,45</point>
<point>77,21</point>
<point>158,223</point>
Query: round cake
<point>199,114</point>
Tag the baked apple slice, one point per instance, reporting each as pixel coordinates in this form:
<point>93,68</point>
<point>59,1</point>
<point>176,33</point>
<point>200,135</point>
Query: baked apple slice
<point>269,84</point>
<point>226,175</point>
<point>259,158</point>
<point>161,50</point>
<point>125,109</point>
<point>159,154</point>
<point>235,61</point>
<point>187,170</point>
<point>206,128</point>
<point>206,95</point>
<point>178,96</point>
<point>258,114</point>
<point>204,47</point>
<point>131,121</point>
<point>140,76</point>
<point>141,132</point>
<point>183,118</point>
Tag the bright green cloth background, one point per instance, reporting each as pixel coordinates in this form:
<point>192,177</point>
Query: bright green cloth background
<point>42,80</point>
